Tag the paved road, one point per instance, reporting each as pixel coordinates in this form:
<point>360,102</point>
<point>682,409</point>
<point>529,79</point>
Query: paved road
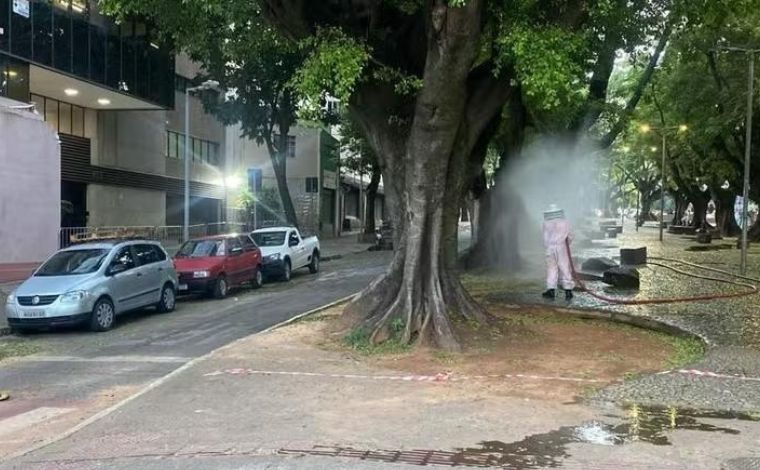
<point>78,373</point>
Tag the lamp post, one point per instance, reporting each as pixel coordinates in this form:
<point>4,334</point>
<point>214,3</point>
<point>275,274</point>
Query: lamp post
<point>207,85</point>
<point>747,145</point>
<point>645,128</point>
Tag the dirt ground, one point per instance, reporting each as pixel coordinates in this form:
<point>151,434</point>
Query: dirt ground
<point>554,347</point>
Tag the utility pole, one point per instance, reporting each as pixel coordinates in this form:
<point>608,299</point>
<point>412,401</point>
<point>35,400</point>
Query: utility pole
<point>207,85</point>
<point>747,158</point>
<point>747,144</point>
<point>662,187</point>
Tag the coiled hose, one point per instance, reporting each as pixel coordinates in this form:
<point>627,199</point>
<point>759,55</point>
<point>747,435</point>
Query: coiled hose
<point>657,261</point>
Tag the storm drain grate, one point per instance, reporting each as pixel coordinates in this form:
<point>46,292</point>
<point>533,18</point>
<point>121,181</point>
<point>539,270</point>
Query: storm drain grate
<point>411,457</point>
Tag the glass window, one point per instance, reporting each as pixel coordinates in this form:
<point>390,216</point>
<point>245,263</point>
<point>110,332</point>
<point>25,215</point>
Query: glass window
<point>124,258</point>
<point>312,184</point>
<point>214,154</point>
<point>196,149</point>
<point>204,151</point>
<point>97,54</point>
<point>21,35</point>
<point>14,79</point>
<point>64,118</point>
<point>51,113</point>
<point>73,262</point>
<point>145,254</point>
<point>5,9</point>
<point>172,139</point>
<point>180,146</point>
<point>62,38</point>
<point>247,243</point>
<point>81,34</point>
<point>113,58</point>
<point>39,104</point>
<point>43,32</point>
<point>77,121</point>
<point>160,254</point>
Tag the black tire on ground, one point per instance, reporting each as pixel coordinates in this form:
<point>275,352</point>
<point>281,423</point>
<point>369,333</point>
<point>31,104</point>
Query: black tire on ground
<point>286,271</point>
<point>220,287</point>
<point>20,330</point>
<point>314,265</point>
<point>103,315</point>
<point>258,278</point>
<point>168,299</point>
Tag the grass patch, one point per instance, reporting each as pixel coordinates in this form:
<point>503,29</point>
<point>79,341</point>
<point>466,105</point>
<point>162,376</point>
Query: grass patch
<point>16,348</point>
<point>358,340</point>
<point>686,351</point>
<point>484,283</point>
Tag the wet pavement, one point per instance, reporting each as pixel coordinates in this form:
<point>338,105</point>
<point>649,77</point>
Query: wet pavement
<point>729,327</point>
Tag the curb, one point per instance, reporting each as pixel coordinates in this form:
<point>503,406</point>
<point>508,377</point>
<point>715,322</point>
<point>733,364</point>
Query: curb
<point>160,381</point>
<point>325,259</point>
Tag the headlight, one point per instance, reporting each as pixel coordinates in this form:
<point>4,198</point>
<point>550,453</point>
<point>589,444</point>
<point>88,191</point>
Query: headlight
<point>11,298</point>
<point>274,257</point>
<point>200,274</point>
<point>74,296</point>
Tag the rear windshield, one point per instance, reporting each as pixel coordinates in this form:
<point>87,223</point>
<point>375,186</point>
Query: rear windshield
<point>269,238</point>
<point>72,262</point>
<point>202,249</point>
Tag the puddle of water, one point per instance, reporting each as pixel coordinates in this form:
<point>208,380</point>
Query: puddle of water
<point>640,424</point>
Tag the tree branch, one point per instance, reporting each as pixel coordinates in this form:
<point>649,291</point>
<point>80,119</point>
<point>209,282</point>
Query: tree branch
<point>638,92</point>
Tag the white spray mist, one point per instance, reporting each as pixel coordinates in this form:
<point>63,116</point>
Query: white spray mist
<point>548,171</point>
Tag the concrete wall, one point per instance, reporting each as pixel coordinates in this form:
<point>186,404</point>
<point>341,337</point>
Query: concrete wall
<point>122,206</point>
<point>246,153</point>
<point>30,187</point>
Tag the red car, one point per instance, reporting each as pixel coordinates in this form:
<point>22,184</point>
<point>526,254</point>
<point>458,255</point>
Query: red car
<point>213,265</point>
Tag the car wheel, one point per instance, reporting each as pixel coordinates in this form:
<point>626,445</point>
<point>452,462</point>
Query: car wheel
<point>103,315</point>
<point>220,287</point>
<point>258,278</point>
<point>286,270</point>
<point>314,265</point>
<point>20,330</point>
<point>168,299</point>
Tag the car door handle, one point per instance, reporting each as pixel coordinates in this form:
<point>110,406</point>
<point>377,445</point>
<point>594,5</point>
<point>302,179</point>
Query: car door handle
<point>160,269</point>
<point>138,274</point>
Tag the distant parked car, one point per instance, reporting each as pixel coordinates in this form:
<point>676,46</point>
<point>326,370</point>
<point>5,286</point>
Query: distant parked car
<point>92,283</point>
<point>214,265</point>
<point>284,250</point>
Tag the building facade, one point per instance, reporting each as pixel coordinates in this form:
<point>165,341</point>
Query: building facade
<point>311,173</point>
<point>115,96</point>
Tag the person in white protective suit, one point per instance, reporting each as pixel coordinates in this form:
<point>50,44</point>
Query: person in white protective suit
<point>556,233</point>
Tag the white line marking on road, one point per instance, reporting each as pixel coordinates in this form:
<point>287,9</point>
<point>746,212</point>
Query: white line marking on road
<point>157,383</point>
<point>146,359</point>
<point>30,418</point>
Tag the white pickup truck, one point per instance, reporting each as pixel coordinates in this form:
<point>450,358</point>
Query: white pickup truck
<point>283,250</point>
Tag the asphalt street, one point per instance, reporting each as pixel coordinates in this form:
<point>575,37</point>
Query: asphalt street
<point>77,373</point>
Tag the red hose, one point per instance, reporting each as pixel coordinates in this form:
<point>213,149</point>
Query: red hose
<point>751,289</point>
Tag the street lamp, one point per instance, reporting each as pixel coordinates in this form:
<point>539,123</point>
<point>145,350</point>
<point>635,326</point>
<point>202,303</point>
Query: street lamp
<point>747,145</point>
<point>207,85</point>
<point>663,131</point>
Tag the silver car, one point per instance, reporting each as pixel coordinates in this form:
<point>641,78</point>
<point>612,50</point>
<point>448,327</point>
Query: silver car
<point>92,283</point>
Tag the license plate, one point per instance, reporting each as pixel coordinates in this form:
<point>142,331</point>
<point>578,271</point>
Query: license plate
<point>33,314</point>
<point>183,287</point>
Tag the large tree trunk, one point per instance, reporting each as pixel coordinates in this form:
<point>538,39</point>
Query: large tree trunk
<point>421,289</point>
<point>724,213</point>
<point>278,153</point>
<point>374,184</point>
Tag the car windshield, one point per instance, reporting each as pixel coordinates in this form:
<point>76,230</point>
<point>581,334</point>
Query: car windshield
<point>72,262</point>
<point>269,238</point>
<point>202,249</point>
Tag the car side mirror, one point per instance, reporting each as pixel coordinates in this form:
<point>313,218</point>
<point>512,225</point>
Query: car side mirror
<point>293,242</point>
<point>236,251</point>
<point>116,269</point>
